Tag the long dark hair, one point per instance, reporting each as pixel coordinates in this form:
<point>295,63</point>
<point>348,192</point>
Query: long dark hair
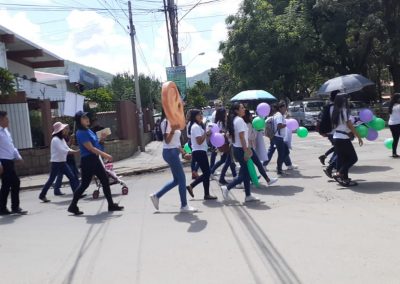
<point>220,116</point>
<point>247,116</point>
<point>192,119</point>
<point>395,100</point>
<point>232,114</point>
<point>339,105</point>
<point>59,134</point>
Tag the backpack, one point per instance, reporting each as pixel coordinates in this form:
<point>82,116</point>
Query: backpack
<point>269,127</point>
<point>325,122</point>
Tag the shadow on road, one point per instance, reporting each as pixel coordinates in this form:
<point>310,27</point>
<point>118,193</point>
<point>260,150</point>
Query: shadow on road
<point>298,174</point>
<point>5,220</point>
<point>370,169</point>
<point>196,224</point>
<point>287,190</point>
<point>375,187</point>
<point>213,204</point>
<point>100,218</point>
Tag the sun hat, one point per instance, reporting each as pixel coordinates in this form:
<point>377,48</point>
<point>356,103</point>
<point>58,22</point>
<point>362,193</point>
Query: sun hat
<point>58,126</point>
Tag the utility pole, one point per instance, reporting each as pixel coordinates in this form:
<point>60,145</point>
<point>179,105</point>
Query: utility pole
<point>132,33</point>
<point>168,33</point>
<point>173,20</point>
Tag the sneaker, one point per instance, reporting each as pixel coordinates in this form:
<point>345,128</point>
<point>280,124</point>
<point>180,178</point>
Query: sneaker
<point>59,193</point>
<point>282,173</point>
<point>272,181</point>
<point>190,190</point>
<point>292,167</point>
<point>74,210</point>
<point>4,212</point>
<point>225,192</point>
<point>44,199</point>
<point>328,172</point>
<point>322,159</point>
<point>115,207</point>
<point>251,198</point>
<point>188,209</point>
<point>210,197</point>
<point>19,211</point>
<point>155,200</point>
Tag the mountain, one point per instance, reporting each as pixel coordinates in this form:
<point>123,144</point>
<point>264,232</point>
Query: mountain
<point>105,78</point>
<point>203,76</point>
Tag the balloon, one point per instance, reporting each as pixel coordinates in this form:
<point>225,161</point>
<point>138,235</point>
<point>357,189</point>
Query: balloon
<point>377,123</point>
<point>258,123</point>
<point>263,109</point>
<point>187,148</point>
<point>292,124</point>
<point>302,132</point>
<point>362,130</point>
<point>389,143</point>
<point>217,140</point>
<point>366,115</point>
<point>372,134</point>
<point>214,128</point>
<point>252,172</point>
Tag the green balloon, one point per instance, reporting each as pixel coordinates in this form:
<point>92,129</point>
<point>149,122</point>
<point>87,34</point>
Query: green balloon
<point>362,130</point>
<point>377,123</point>
<point>389,143</point>
<point>302,132</point>
<point>187,149</point>
<point>258,123</point>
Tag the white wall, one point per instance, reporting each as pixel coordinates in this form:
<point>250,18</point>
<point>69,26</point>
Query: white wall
<point>3,55</point>
<point>22,70</point>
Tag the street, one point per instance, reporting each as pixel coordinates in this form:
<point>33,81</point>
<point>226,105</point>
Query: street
<point>305,230</point>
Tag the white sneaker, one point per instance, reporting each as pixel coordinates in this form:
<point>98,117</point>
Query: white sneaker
<point>272,181</point>
<point>251,198</point>
<point>225,192</point>
<point>240,186</point>
<point>155,200</point>
<point>188,209</point>
<point>292,167</point>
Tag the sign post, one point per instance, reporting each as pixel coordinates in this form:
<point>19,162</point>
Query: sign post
<point>178,75</point>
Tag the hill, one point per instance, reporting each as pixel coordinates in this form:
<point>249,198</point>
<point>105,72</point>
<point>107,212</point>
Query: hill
<point>203,76</point>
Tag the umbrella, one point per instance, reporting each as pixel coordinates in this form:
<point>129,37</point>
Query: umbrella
<point>254,95</point>
<point>347,83</point>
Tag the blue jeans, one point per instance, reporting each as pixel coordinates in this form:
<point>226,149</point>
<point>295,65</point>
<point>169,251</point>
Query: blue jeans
<point>244,175</point>
<point>171,156</point>
<point>72,165</point>
<point>271,151</point>
<point>56,168</point>
<point>228,163</point>
<point>283,152</point>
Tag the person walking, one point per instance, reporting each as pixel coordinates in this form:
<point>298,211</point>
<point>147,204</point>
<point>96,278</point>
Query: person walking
<point>171,150</point>
<point>198,136</point>
<point>59,151</point>
<point>343,132</point>
<point>239,133</point>
<point>394,122</point>
<point>193,165</point>
<point>9,179</point>
<point>91,165</point>
<point>280,133</point>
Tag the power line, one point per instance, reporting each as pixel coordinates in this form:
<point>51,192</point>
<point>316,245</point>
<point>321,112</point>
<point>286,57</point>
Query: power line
<point>142,54</point>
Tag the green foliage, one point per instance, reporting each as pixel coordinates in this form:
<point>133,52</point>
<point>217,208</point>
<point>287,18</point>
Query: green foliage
<point>7,83</point>
<point>103,98</point>
<point>198,94</point>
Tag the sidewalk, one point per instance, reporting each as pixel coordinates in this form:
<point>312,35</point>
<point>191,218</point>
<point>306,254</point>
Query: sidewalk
<point>139,163</point>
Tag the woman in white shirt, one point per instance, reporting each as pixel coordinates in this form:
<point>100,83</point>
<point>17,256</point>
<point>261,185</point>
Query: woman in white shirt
<point>239,133</point>
<point>198,136</point>
<point>394,122</point>
<point>59,151</point>
<point>343,131</point>
<point>171,150</point>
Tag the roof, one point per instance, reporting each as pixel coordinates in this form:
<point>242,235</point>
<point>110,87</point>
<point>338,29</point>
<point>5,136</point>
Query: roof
<point>26,52</point>
<point>49,77</point>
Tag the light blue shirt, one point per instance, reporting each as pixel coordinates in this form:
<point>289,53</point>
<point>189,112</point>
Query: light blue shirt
<point>7,148</point>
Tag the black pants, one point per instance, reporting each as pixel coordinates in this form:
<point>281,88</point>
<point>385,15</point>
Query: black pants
<point>396,135</point>
<point>201,158</point>
<point>346,156</point>
<point>9,181</point>
<point>331,150</point>
<point>259,165</point>
<point>91,166</point>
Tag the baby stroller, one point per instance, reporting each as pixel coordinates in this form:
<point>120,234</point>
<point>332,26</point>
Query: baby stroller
<point>113,179</point>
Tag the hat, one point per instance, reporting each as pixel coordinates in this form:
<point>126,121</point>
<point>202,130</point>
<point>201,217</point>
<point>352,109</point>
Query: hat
<point>80,114</point>
<point>58,126</point>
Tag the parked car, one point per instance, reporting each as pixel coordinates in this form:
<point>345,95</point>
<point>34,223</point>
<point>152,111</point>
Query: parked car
<point>306,112</point>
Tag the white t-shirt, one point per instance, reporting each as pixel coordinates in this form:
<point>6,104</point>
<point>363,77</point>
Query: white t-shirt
<point>240,126</point>
<point>342,127</point>
<point>176,139</point>
<point>395,116</point>
<point>197,131</point>
<point>279,119</point>
<point>58,150</point>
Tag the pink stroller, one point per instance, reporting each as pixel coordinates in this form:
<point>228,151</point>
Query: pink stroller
<point>113,178</point>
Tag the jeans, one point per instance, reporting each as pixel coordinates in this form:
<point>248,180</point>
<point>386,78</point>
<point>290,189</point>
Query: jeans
<point>91,166</point>
<point>346,156</point>
<point>259,166</point>
<point>271,151</point>
<point>56,169</point>
<point>283,151</point>
<point>228,163</point>
<point>201,158</point>
<point>72,166</point>
<point>9,181</point>
<point>395,129</point>
<point>288,161</point>
<point>171,156</point>
<point>213,157</point>
<point>244,175</point>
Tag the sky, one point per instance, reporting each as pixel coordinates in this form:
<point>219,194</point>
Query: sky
<point>101,40</point>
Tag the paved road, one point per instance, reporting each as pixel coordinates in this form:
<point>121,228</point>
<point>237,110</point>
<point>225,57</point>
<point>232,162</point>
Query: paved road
<point>307,230</point>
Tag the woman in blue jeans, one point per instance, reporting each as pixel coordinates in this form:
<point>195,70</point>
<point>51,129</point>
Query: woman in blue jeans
<point>239,133</point>
<point>171,151</point>
<point>59,151</point>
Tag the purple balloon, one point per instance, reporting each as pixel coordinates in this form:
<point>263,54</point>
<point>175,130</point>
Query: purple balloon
<point>217,140</point>
<point>214,128</point>
<point>372,134</point>
<point>366,115</point>
<point>292,124</point>
<point>263,109</point>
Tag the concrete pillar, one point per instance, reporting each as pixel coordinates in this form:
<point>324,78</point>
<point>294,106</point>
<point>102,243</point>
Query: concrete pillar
<point>127,121</point>
<point>47,124</point>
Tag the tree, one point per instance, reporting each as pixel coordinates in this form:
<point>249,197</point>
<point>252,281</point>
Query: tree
<point>196,95</point>
<point>102,96</point>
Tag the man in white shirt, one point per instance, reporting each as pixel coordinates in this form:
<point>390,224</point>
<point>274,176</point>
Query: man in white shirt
<point>280,133</point>
<point>9,178</point>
